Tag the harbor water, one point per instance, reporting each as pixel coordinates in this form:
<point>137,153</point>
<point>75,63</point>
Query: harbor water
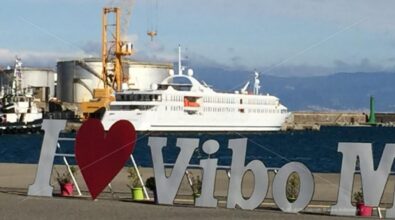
<point>316,149</point>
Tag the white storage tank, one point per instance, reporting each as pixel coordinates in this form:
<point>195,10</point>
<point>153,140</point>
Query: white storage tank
<point>141,75</point>
<point>40,80</point>
<point>77,78</point>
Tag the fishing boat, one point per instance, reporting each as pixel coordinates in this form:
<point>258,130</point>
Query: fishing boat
<point>182,103</point>
<point>18,111</point>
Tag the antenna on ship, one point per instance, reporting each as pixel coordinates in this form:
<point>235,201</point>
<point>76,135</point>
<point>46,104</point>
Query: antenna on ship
<point>244,89</point>
<point>257,82</point>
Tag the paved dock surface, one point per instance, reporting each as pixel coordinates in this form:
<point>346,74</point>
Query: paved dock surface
<point>14,204</point>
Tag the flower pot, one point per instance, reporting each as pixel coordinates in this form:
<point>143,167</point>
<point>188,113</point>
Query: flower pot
<point>363,210</point>
<point>137,194</point>
<point>66,189</point>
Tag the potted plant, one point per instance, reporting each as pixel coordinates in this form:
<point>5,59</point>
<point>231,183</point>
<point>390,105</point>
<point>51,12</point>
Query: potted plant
<point>151,185</point>
<point>196,185</point>
<point>135,185</point>
<point>65,181</point>
<point>362,209</point>
<point>293,187</point>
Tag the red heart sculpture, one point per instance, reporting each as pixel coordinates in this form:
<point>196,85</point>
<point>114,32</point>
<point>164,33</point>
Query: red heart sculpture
<point>101,156</point>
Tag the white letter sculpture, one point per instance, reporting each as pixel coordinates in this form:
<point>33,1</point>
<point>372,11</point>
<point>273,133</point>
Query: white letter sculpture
<point>167,187</point>
<point>373,182</point>
<point>209,166</point>
<point>306,187</point>
<point>41,186</point>
<point>235,197</point>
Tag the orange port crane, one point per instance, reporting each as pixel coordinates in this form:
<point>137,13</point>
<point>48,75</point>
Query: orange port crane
<point>113,48</point>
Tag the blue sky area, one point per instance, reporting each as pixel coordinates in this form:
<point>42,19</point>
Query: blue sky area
<point>284,38</point>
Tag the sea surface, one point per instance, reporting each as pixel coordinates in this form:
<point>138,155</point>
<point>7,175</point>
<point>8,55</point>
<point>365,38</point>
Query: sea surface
<point>316,149</point>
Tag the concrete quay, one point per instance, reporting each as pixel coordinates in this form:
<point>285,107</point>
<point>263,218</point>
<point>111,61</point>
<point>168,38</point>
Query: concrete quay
<point>14,204</point>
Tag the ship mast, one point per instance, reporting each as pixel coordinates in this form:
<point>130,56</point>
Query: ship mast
<point>16,83</point>
<point>179,60</point>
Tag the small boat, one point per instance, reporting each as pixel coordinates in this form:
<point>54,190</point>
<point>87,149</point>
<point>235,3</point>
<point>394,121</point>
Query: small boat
<point>18,111</point>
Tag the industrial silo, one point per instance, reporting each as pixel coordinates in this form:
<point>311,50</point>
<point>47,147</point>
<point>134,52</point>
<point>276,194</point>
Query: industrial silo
<point>39,81</point>
<point>141,75</point>
<point>77,79</point>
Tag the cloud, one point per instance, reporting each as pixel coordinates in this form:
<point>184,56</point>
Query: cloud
<point>297,70</point>
<point>92,47</point>
<point>133,38</point>
<point>197,59</point>
<point>155,46</point>
<point>378,14</point>
<point>365,65</point>
<point>157,52</point>
<point>237,62</point>
<point>34,58</point>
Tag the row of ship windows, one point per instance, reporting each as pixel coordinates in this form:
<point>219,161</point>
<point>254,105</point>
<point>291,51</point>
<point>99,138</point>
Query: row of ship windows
<point>260,102</point>
<point>267,111</point>
<point>206,109</point>
<point>143,97</point>
<point>242,110</point>
<point>221,100</point>
<point>234,101</point>
<point>226,109</point>
<point>130,107</point>
<point>137,97</point>
<point>175,98</point>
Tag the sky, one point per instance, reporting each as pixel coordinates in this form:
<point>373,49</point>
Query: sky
<point>275,37</point>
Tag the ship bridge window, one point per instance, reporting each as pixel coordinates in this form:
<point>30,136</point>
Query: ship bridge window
<point>181,80</point>
<point>163,87</point>
<point>182,87</point>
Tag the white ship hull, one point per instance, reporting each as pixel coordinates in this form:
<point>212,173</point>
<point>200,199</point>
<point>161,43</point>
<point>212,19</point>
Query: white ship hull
<point>152,121</point>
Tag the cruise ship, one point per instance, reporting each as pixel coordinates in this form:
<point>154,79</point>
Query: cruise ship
<point>182,103</point>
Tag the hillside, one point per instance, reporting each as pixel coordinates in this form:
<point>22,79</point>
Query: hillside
<point>340,91</point>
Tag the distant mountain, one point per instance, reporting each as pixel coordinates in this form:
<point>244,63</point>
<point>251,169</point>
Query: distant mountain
<point>338,92</point>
